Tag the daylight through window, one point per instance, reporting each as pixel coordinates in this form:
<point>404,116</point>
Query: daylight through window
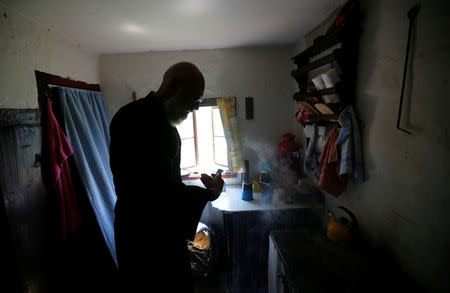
<point>203,143</point>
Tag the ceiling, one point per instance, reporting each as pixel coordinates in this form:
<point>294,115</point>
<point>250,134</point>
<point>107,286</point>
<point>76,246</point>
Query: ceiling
<point>113,26</point>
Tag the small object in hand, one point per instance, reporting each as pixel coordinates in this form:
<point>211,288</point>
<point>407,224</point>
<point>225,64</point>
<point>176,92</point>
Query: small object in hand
<point>214,183</point>
<point>219,171</point>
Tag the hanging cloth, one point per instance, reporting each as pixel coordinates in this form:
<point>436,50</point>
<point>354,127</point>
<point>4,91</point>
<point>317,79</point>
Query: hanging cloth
<point>311,160</point>
<point>58,151</point>
<point>350,141</point>
<point>329,178</point>
<point>87,128</point>
<point>227,108</point>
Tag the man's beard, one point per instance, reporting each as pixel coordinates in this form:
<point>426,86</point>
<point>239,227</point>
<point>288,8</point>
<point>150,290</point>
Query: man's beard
<point>175,121</point>
<point>175,111</point>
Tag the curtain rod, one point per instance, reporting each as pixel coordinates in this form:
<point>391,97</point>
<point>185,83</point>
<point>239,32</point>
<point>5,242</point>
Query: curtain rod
<point>72,87</point>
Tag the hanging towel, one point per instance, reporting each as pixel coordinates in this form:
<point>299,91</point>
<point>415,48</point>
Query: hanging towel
<point>311,160</point>
<point>87,129</point>
<point>349,139</point>
<point>329,178</point>
<point>59,151</point>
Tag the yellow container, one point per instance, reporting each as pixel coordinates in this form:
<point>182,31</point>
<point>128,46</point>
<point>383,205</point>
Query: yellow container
<point>256,186</point>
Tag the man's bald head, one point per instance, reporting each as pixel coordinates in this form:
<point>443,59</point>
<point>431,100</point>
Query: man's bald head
<point>183,76</point>
<point>183,71</point>
<point>182,86</point>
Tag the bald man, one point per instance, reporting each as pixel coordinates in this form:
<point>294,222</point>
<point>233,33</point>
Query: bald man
<point>156,213</point>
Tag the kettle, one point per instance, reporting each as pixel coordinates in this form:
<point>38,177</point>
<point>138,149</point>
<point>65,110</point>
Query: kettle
<point>342,230</point>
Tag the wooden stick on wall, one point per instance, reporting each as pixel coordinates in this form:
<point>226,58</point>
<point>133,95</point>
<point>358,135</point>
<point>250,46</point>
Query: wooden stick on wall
<point>134,96</point>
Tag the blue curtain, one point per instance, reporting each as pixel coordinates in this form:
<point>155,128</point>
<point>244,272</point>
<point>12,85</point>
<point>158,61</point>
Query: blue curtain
<point>87,128</point>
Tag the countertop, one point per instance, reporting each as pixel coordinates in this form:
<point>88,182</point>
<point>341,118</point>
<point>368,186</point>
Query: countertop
<point>231,201</point>
<point>315,264</point>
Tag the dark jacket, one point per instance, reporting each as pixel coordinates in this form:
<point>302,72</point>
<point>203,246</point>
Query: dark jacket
<point>155,212</point>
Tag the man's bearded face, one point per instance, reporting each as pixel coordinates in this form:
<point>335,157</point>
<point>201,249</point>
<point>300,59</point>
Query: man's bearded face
<point>177,108</point>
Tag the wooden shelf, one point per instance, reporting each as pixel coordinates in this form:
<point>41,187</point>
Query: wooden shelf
<point>347,35</point>
<point>324,117</point>
<point>323,120</point>
<point>323,123</point>
<point>302,70</point>
<point>321,44</point>
<point>301,96</point>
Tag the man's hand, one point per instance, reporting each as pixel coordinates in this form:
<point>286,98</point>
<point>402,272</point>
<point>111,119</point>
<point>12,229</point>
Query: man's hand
<point>213,184</point>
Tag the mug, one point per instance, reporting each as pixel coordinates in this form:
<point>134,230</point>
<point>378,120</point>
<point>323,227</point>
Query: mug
<point>330,78</point>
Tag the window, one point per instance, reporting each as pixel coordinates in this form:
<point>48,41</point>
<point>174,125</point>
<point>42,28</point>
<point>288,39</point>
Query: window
<point>203,143</point>
<point>219,141</point>
<point>187,131</point>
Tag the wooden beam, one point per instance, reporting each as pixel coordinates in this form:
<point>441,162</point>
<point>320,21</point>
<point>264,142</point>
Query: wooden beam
<point>20,117</point>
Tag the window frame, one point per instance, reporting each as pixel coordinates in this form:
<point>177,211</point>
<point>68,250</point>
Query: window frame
<point>214,140</point>
<point>208,102</point>
<point>195,141</point>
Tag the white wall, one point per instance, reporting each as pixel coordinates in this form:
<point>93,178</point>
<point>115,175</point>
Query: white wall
<point>403,207</point>
<point>262,73</point>
<point>26,46</point>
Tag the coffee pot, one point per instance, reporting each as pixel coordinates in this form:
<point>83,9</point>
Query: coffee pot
<point>342,230</point>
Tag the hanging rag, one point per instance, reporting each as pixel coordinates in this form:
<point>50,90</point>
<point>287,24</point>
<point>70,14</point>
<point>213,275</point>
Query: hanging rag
<point>310,156</point>
<point>329,178</point>
<point>349,139</point>
<point>59,151</point>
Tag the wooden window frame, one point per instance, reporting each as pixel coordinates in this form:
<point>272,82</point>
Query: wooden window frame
<point>214,140</point>
<point>194,122</point>
<point>211,102</point>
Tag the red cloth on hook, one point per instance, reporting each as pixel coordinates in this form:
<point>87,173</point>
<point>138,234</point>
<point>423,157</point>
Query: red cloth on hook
<point>59,151</point>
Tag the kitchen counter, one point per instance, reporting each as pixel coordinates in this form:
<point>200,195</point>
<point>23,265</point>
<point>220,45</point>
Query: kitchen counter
<point>312,263</point>
<point>231,201</point>
<point>246,227</point>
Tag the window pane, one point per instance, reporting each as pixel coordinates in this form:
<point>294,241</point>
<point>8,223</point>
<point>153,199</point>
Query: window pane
<point>220,152</point>
<point>218,127</point>
<point>186,128</point>
<point>204,136</point>
<point>187,153</point>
